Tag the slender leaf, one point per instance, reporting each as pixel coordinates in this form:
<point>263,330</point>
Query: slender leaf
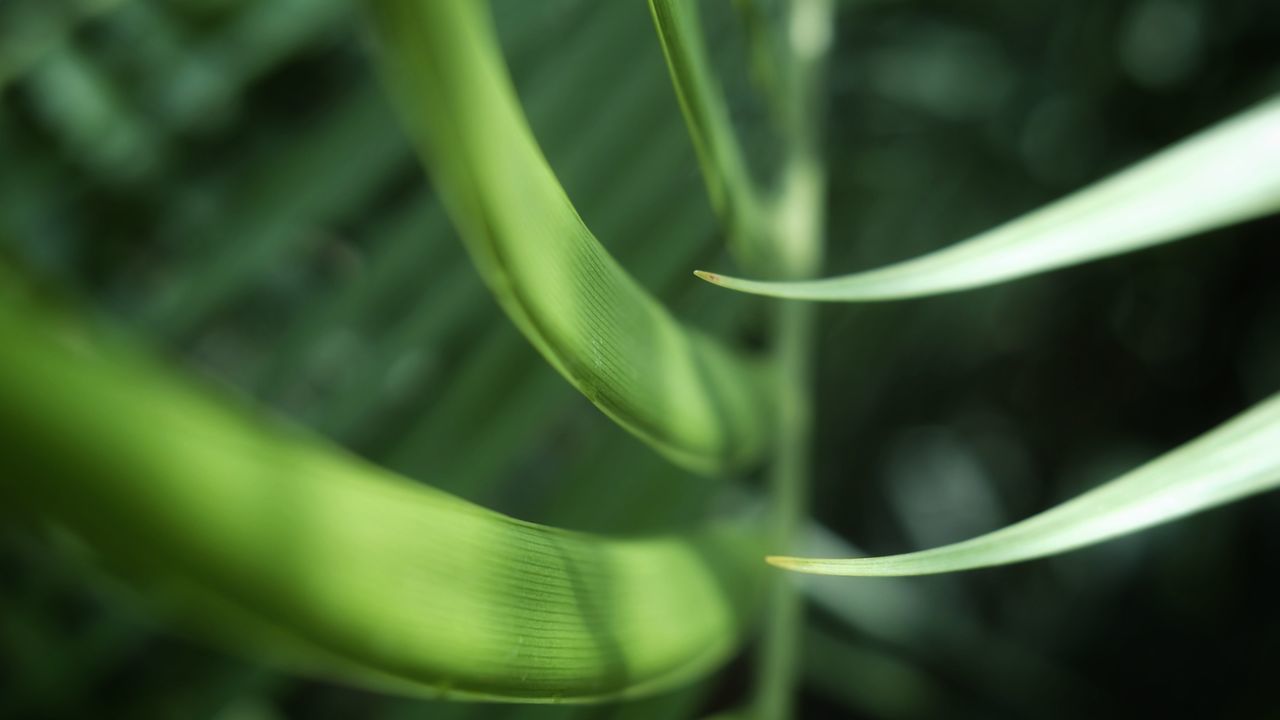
<point>1238,459</point>
<point>728,179</point>
<point>1226,174</point>
<point>700,404</point>
<point>282,543</point>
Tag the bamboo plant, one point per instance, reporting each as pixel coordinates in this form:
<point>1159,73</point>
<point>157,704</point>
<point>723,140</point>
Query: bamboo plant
<point>277,543</point>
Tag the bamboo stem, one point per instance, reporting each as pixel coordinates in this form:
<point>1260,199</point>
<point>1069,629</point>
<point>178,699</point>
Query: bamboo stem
<point>798,231</point>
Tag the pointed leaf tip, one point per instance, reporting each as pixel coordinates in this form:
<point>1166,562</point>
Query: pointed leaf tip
<point>1237,459</point>
<point>708,276</point>
<point>814,566</point>
<point>1224,175</point>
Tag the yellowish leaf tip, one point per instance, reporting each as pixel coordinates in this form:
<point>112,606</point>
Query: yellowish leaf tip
<point>709,277</point>
<point>779,561</point>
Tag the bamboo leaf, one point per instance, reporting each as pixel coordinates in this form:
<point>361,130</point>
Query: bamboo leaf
<point>1238,459</point>
<point>724,169</point>
<point>278,541</point>
<point>1223,175</point>
<point>700,404</point>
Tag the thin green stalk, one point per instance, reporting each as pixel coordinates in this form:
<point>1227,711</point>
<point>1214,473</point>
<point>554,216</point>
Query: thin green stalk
<point>798,233</point>
<point>697,401</point>
<point>790,485</point>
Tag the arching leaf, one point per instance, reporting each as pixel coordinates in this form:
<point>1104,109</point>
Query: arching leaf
<point>1238,459</point>
<point>724,169</point>
<point>696,401</point>
<point>1226,174</point>
<point>267,537</point>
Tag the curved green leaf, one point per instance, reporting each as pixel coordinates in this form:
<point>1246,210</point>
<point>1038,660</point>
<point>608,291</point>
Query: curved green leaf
<point>700,404</point>
<point>728,180</point>
<point>1226,174</point>
<point>280,541</point>
<point>1239,458</point>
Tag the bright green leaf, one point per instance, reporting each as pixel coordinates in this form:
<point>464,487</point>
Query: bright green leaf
<point>1239,458</point>
<point>699,403</point>
<point>272,540</point>
<point>1226,174</point>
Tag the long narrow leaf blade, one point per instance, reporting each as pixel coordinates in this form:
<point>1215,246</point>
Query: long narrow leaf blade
<point>1238,459</point>
<point>699,403</point>
<point>1226,174</point>
<point>728,180</point>
<point>280,541</point>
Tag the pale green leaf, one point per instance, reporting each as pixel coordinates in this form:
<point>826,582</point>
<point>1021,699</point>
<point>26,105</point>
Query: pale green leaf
<point>274,541</point>
<point>1237,459</point>
<point>1226,174</point>
<point>696,401</point>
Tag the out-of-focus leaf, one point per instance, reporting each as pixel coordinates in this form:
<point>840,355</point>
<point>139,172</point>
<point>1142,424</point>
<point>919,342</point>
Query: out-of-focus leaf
<point>278,202</point>
<point>699,403</point>
<point>1226,174</point>
<point>1238,459</point>
<point>339,567</point>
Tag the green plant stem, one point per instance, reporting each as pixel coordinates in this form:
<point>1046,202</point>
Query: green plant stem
<point>790,484</point>
<point>798,233</point>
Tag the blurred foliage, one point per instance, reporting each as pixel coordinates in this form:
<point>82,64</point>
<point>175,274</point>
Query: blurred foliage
<point>224,180</point>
